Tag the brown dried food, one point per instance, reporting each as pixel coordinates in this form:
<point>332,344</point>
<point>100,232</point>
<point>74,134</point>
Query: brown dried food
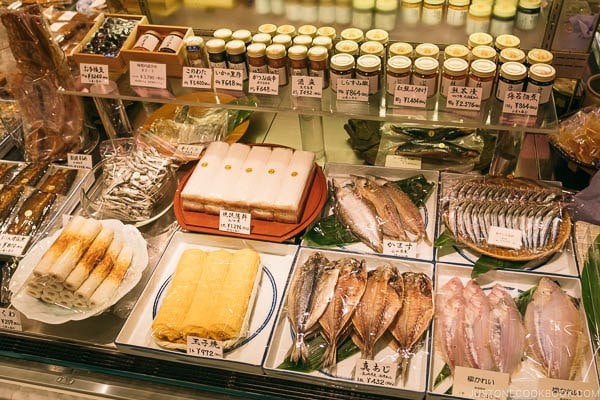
<point>31,213</point>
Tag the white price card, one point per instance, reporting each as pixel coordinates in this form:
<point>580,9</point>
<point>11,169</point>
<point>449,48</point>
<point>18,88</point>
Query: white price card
<point>234,221</point>
<point>200,347</point>
<point>392,160</point>
<point>353,89</point>
<point>10,319</point>
<point>474,383</point>
<point>263,83</point>
<point>190,150</point>
<point>13,245</point>
<point>464,98</point>
<point>79,161</point>
<point>399,249</point>
<point>228,79</point>
<point>521,103</point>
<point>558,389</point>
<point>410,95</point>
<point>504,237</point>
<point>67,15</point>
<point>376,372</point>
<point>198,78</point>
<point>147,74</point>
<point>307,86</point>
<point>94,74</point>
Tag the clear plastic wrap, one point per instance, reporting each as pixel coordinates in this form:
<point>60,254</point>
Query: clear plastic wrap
<point>579,137</point>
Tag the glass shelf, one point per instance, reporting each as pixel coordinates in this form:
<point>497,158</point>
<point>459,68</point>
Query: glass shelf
<point>377,108</point>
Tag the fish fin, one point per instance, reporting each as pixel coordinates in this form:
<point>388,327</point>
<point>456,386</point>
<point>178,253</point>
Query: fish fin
<point>404,369</point>
<point>329,360</point>
<point>299,354</point>
<point>426,239</point>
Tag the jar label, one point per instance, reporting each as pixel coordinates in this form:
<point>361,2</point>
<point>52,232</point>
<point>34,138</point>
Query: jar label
<point>526,21</point>
<point>432,16</point>
<point>281,71</point>
<point>499,27</point>
<point>410,95</point>
<point>486,87</point>
<point>264,83</point>
<point>504,87</point>
<point>474,25</point>
<point>307,86</point>
<point>299,72</point>
<point>240,67</point>
<point>373,82</point>
<point>543,90</point>
<point>522,103</point>
<point>333,78</point>
<point>464,98</point>
<point>320,74</point>
<point>217,64</point>
<point>172,43</point>
<point>411,15</point>
<point>228,79</point>
<point>392,81</point>
<point>430,83</point>
<point>263,69</point>
<point>147,41</point>
<point>456,17</point>
<point>199,78</point>
<point>451,81</point>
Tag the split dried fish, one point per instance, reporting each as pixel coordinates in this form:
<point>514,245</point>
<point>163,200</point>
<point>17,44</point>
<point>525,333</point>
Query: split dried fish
<point>450,306</point>
<point>478,352</point>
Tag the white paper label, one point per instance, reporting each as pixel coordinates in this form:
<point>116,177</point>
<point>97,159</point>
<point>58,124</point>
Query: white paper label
<point>447,83</point>
<point>10,319</point>
<point>504,237</point>
<point>94,73</point>
<point>79,161</point>
<point>557,389</point>
<point>399,249</point>
<point>375,372</point>
<point>234,221</point>
<point>264,83</point>
<point>392,160</point>
<point>410,96</point>
<point>200,347</point>
<point>13,245</point>
<point>522,103</point>
<point>55,27</point>
<point>307,86</point>
<point>190,150</point>
<point>464,98</point>
<point>228,79</point>
<point>199,78</point>
<point>353,89</point>
<point>474,383</point>
<point>67,16</point>
<point>147,74</point>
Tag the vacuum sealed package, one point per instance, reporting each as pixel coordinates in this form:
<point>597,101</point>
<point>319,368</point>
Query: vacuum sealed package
<point>579,137</point>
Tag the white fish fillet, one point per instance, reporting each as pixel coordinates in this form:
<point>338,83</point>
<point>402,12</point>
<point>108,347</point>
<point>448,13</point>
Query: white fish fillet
<point>477,328</point>
<point>449,306</point>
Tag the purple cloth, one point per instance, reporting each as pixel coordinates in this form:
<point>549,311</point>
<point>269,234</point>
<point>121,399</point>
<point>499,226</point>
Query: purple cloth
<point>586,204</point>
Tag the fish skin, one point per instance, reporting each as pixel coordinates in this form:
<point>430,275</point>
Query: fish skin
<point>477,327</point>
<point>507,331</point>
<point>414,317</point>
<point>554,326</point>
<point>444,150</point>
<point>377,308</point>
<point>449,310</point>
<point>359,216</point>
<point>307,289</point>
<point>349,289</point>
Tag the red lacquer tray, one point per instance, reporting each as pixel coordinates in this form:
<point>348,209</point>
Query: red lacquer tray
<point>259,229</point>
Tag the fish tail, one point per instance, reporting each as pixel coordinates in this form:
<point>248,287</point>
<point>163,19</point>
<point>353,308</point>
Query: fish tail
<point>426,239</point>
<point>404,370</point>
<point>330,356</point>
<point>299,353</point>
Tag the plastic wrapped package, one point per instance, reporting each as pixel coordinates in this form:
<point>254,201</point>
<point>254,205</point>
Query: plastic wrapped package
<point>210,296</point>
<point>579,137</point>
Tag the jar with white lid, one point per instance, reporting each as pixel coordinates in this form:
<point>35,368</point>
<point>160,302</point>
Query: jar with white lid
<point>377,35</point>
<point>427,50</point>
<point>539,56</point>
<point>401,49</point>
<point>341,66</point>
<point>483,53</point>
<point>507,42</point>
<point>244,35</point>
<point>263,38</point>
<point>385,14</point>
<point>528,14</point>
<point>324,41</point>
<point>411,11</point>
<point>286,30</point>
<point>510,54</point>
<point>354,34</point>
<point>456,14</point>
<point>309,30</point>
<point>371,47</point>
<point>540,80</point>
<point>328,31</point>
<point>277,62</point>
<point>398,72</point>
<point>454,73</point>
<point>223,34</point>
<point>480,39</point>
<point>478,18</point>
<point>511,79</point>
<point>318,57</point>
<point>217,58</point>
<point>303,40</point>
<point>425,73</point>
<point>269,29</point>
<point>368,67</point>
<point>456,51</point>
<point>283,39</point>
<point>347,47</point>
<point>503,18</point>
<point>236,56</point>
<point>482,75</point>
<point>433,11</point>
<point>256,55</point>
<point>298,56</point>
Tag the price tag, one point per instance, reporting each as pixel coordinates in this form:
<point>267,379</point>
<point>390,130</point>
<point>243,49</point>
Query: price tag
<point>464,98</point>
<point>94,73</point>
<point>307,86</point>
<point>13,245</point>
<point>234,221</point>
<point>553,389</point>
<point>79,161</point>
<point>392,160</point>
<point>375,372</point>
<point>521,103</point>
<point>353,89</point>
<point>190,150</point>
<point>228,79</point>
<point>200,347</point>
<point>410,96</point>
<point>55,27</point>
<point>147,74</point>
<point>199,78</point>
<point>504,237</point>
<point>480,384</point>
<point>10,319</point>
<point>399,249</point>
<point>67,16</point>
<point>263,83</point>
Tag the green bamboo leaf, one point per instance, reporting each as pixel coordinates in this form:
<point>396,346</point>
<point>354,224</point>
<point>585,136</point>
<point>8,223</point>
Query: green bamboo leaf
<point>590,287</point>
<point>316,349</point>
<point>417,188</point>
<point>524,298</point>
<point>444,373</point>
<point>330,231</point>
<point>486,263</point>
<point>446,239</point>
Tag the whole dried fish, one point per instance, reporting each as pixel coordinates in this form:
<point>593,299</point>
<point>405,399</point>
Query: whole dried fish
<point>477,328</point>
<point>30,175</point>
<point>449,331</point>
<point>442,150</point>
<point>9,196</point>
<point>310,291</point>
<point>377,308</point>
<point>349,289</point>
<point>59,182</point>
<point>554,326</point>
<point>414,317</point>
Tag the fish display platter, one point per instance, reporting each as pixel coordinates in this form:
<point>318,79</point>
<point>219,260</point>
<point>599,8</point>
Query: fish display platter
<point>282,340</point>
<point>524,380</point>
<point>245,356</point>
<point>271,231</point>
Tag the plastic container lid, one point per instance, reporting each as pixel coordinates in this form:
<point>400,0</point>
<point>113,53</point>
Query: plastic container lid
<point>223,33</point>
<point>456,66</point>
<point>286,30</point>
<point>434,2</point>
<point>480,10</point>
<point>262,38</point>
<point>412,1</point>
<point>353,34</point>
<point>328,31</point>
<point>484,53</point>
<point>427,50</point>
<point>399,64</point>
<point>386,5</point>
<point>426,65</point>
<point>401,49</point>
<point>309,30</point>
<point>377,35</point>
<point>480,39</point>
<point>283,39</point>
<point>256,50</point>
<point>347,46</point>
<point>275,51</point>
<point>235,47</point>
<point>318,53</point>
<point>194,41</point>
<point>368,63</point>
<point>530,4</point>
<point>456,51</point>
<point>542,72</point>
<point>297,52</point>
<point>215,45</point>
<point>539,56</point>
<point>483,68</point>
<point>324,41</point>
<point>242,34</point>
<point>372,47</point>
<point>506,41</point>
<point>504,10</point>
<point>513,70</point>
<point>342,62</point>
<point>459,3</point>
<point>303,40</point>
<point>510,54</point>
<point>269,29</point>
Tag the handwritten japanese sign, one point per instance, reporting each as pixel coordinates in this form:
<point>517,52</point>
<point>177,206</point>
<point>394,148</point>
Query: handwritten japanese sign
<point>228,79</point>
<point>234,221</point>
<point>464,98</point>
<point>522,103</point>
<point>375,372</point>
<point>410,96</point>
<point>147,74</point>
<point>201,347</point>
<point>353,89</point>
<point>264,83</point>
<point>199,78</point>
<point>94,73</point>
<point>307,86</point>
